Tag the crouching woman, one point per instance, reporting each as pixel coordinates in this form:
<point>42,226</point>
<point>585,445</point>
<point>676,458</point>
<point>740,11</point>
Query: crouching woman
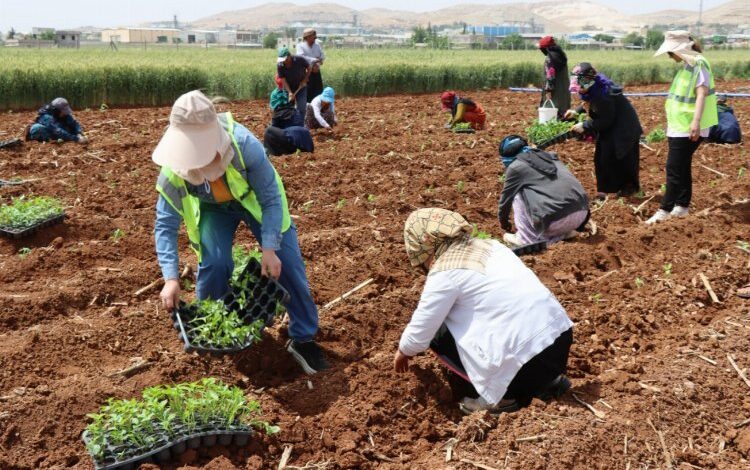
<point>485,315</point>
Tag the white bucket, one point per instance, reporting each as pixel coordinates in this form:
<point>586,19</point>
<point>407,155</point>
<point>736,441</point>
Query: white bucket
<point>547,113</point>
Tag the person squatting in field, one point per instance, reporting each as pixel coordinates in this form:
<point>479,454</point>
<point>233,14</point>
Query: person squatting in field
<point>615,125</point>
<point>463,110</point>
<point>556,78</point>
<point>548,202</point>
<point>691,112</point>
<point>55,121</point>
<point>214,175</point>
<point>321,113</point>
<point>283,113</point>
<point>485,315</point>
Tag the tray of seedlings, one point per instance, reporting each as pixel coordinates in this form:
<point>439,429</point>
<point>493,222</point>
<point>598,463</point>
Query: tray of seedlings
<point>463,128</point>
<point>25,216</point>
<point>543,135</point>
<point>235,322</point>
<point>529,248</point>
<point>167,421</point>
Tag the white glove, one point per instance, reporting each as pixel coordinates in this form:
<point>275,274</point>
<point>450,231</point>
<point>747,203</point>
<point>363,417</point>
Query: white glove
<point>82,139</point>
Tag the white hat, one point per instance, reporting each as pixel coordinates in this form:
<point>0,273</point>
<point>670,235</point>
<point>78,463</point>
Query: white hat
<point>673,41</point>
<point>193,136</point>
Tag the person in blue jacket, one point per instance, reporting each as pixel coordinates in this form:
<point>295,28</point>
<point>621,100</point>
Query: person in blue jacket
<point>55,121</point>
<point>288,140</point>
<point>727,131</point>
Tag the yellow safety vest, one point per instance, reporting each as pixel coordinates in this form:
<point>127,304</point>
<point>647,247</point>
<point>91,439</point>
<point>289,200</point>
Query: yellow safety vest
<point>680,104</point>
<point>174,190</point>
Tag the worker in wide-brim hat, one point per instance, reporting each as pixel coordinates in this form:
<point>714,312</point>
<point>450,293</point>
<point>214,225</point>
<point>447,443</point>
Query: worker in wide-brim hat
<point>214,175</point>
<point>311,50</point>
<point>487,317</point>
<point>691,112</point>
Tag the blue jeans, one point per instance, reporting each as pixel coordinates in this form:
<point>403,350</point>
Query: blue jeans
<point>217,226</point>
<point>301,100</point>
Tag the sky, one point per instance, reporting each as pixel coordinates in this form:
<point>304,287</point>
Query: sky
<point>23,14</point>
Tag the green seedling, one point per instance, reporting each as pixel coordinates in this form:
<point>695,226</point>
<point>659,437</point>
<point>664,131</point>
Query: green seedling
<point>24,212</point>
<point>639,282</point>
<point>371,198</point>
<point>501,178</point>
<point>743,245</point>
<point>663,188</point>
<point>187,285</point>
<point>667,269</point>
<point>596,298</point>
<point>340,204</point>
<point>213,324</point>
<point>306,206</point>
<point>126,428</point>
<point>460,186</point>
<point>117,235</point>
<point>539,133</point>
<point>656,135</point>
<point>640,194</point>
<point>741,172</point>
<point>480,234</point>
<point>24,252</point>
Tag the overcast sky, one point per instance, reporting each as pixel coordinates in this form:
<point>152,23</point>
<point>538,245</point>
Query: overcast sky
<point>23,14</point>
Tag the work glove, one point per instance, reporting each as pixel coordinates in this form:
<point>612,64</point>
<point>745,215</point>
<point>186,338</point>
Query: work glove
<point>578,128</point>
<point>570,114</point>
<point>82,139</point>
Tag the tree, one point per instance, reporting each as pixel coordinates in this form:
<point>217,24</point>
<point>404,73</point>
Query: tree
<point>654,38</point>
<point>419,35</point>
<point>604,38</point>
<point>512,41</point>
<point>634,39</point>
<point>270,40</point>
<point>47,36</point>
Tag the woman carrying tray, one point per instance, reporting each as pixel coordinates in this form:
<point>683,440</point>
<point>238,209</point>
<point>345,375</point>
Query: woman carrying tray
<point>614,123</point>
<point>485,315</point>
<point>548,202</point>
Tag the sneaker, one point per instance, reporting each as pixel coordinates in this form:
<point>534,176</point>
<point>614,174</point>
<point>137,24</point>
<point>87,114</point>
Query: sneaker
<point>470,405</point>
<point>660,215</point>
<point>679,211</point>
<point>512,239</point>
<point>554,389</point>
<point>308,355</point>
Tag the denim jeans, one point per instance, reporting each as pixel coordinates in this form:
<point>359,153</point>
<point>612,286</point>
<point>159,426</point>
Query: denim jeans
<point>218,224</point>
<point>679,172</point>
<point>301,100</point>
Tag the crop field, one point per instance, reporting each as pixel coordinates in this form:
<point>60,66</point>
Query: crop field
<point>91,77</point>
<point>652,365</point>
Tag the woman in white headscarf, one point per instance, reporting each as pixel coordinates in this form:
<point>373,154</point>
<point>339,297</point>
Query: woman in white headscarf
<point>486,316</point>
<point>691,112</point>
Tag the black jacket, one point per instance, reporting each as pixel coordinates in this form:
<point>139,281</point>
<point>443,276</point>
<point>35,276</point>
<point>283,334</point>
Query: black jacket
<point>614,120</point>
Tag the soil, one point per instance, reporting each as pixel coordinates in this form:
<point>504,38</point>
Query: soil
<point>650,352</point>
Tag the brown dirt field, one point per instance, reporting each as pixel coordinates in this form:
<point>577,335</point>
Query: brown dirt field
<point>68,317</point>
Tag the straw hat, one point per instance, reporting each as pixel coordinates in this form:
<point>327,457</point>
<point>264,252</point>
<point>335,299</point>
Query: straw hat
<point>307,32</point>
<point>193,136</point>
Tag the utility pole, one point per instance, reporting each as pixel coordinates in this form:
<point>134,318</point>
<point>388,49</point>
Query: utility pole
<point>700,19</point>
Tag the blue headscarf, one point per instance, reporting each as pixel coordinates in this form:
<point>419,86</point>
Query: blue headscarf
<point>510,147</point>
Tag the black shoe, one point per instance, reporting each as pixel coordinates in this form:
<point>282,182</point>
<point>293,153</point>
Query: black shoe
<point>308,355</point>
<point>554,389</point>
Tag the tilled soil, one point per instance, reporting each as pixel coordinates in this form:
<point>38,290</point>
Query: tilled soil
<point>651,348</point>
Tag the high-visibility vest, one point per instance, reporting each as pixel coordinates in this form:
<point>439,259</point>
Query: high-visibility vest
<point>680,104</point>
<point>175,192</point>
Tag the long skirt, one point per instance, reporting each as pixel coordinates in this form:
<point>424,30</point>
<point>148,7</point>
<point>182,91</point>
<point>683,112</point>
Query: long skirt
<point>616,175</point>
<point>312,123</point>
<point>314,85</point>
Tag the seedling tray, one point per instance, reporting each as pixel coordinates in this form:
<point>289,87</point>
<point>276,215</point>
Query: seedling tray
<point>530,248</point>
<point>176,447</point>
<point>26,231</point>
<point>463,130</point>
<point>261,294</point>
<point>10,143</point>
<point>556,139</point>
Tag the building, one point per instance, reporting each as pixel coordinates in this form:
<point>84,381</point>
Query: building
<point>68,39</point>
<point>198,36</point>
<point>142,35</point>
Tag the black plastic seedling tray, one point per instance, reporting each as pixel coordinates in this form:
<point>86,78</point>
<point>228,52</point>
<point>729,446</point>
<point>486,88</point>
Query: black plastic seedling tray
<point>556,139</point>
<point>176,447</point>
<point>10,143</point>
<point>530,248</point>
<point>262,294</point>
<point>26,231</point>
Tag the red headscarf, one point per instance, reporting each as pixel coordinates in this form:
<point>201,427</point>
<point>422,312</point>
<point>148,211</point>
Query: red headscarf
<point>546,42</point>
<point>447,99</point>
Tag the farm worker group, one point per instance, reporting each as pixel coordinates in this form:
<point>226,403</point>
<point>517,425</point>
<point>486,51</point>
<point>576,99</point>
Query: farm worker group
<point>55,122</point>
<point>485,315</point>
<point>214,175</point>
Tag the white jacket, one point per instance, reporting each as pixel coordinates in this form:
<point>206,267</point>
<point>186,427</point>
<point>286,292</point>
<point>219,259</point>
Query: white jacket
<point>500,319</point>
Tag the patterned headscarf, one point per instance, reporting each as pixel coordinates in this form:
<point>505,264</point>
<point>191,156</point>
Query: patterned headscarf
<point>446,235</point>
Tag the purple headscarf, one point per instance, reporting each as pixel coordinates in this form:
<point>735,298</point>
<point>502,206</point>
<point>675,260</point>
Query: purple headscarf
<point>585,77</point>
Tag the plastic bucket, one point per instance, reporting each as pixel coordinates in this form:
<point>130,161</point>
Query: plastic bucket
<point>547,113</point>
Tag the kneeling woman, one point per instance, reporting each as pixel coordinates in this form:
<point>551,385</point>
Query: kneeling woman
<point>485,314</point>
<point>321,113</point>
<point>548,202</point>
<point>615,123</point>
<point>289,140</point>
<point>463,110</point>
